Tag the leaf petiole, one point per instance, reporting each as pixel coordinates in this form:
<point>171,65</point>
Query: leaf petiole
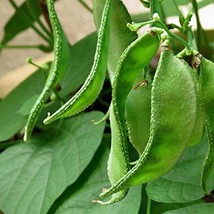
<point>86,6</point>
<point>29,21</point>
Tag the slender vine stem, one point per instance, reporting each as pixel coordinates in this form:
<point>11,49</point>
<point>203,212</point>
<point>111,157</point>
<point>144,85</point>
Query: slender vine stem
<point>44,69</point>
<point>86,6</point>
<point>155,8</point>
<point>135,26</point>
<point>199,27</point>
<point>161,29</point>
<point>200,30</point>
<point>29,21</point>
<point>20,46</point>
<point>148,207</point>
<point>42,26</point>
<point>174,36</point>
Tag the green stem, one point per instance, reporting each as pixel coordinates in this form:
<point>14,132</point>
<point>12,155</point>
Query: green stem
<point>155,8</point>
<point>200,30</point>
<point>86,6</point>
<point>148,208</point>
<point>58,96</point>
<point>42,26</point>
<point>29,21</point>
<point>135,26</point>
<point>174,36</point>
<point>20,46</point>
<point>199,27</point>
<point>30,61</point>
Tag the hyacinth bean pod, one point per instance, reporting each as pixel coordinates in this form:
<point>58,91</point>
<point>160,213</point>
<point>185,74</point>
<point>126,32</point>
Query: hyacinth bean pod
<point>207,99</point>
<point>138,113</point>
<point>92,86</point>
<point>132,62</point>
<point>173,116</point>
<point>58,67</point>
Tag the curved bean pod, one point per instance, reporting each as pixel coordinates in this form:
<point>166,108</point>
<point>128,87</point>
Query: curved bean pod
<point>207,99</point>
<point>132,62</point>
<point>173,114</point>
<point>120,35</point>
<point>59,65</point>
<point>198,131</point>
<point>138,114</point>
<point>90,90</point>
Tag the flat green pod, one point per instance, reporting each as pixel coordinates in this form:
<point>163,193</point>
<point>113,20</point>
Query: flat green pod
<point>138,113</point>
<point>92,86</point>
<point>173,115</point>
<point>120,35</point>
<point>198,131</point>
<point>207,99</point>
<point>57,69</point>
<point>132,62</point>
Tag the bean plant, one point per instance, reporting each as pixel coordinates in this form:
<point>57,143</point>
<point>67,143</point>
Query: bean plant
<point>119,122</point>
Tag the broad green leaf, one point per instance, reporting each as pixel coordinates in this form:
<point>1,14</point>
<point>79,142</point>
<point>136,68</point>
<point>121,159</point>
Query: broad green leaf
<point>120,35</point>
<point>157,208</point>
<point>20,21</point>
<point>183,183</point>
<point>15,107</point>
<point>34,174</point>
<point>200,208</point>
<point>82,56</point>
<point>88,187</point>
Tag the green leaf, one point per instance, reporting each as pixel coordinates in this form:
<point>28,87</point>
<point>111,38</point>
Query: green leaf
<point>81,60</point>
<point>34,174</point>
<point>15,107</point>
<point>163,207</point>
<point>171,10</point>
<point>88,187</point>
<point>182,183</point>
<point>17,23</point>
<point>200,208</point>
<point>204,3</point>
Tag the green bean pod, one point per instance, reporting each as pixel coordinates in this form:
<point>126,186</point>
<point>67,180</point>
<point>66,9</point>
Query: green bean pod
<point>207,99</point>
<point>173,115</point>
<point>138,113</point>
<point>58,67</point>
<point>132,62</point>
<point>92,86</point>
<point>198,131</point>
<point>120,35</point>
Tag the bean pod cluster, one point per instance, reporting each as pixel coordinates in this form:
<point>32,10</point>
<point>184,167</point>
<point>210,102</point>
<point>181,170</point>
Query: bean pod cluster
<point>160,114</point>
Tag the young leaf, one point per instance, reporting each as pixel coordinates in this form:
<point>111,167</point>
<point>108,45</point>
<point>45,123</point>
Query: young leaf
<point>12,29</point>
<point>33,175</point>
<point>88,187</point>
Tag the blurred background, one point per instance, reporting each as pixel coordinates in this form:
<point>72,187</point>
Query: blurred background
<point>77,22</point>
